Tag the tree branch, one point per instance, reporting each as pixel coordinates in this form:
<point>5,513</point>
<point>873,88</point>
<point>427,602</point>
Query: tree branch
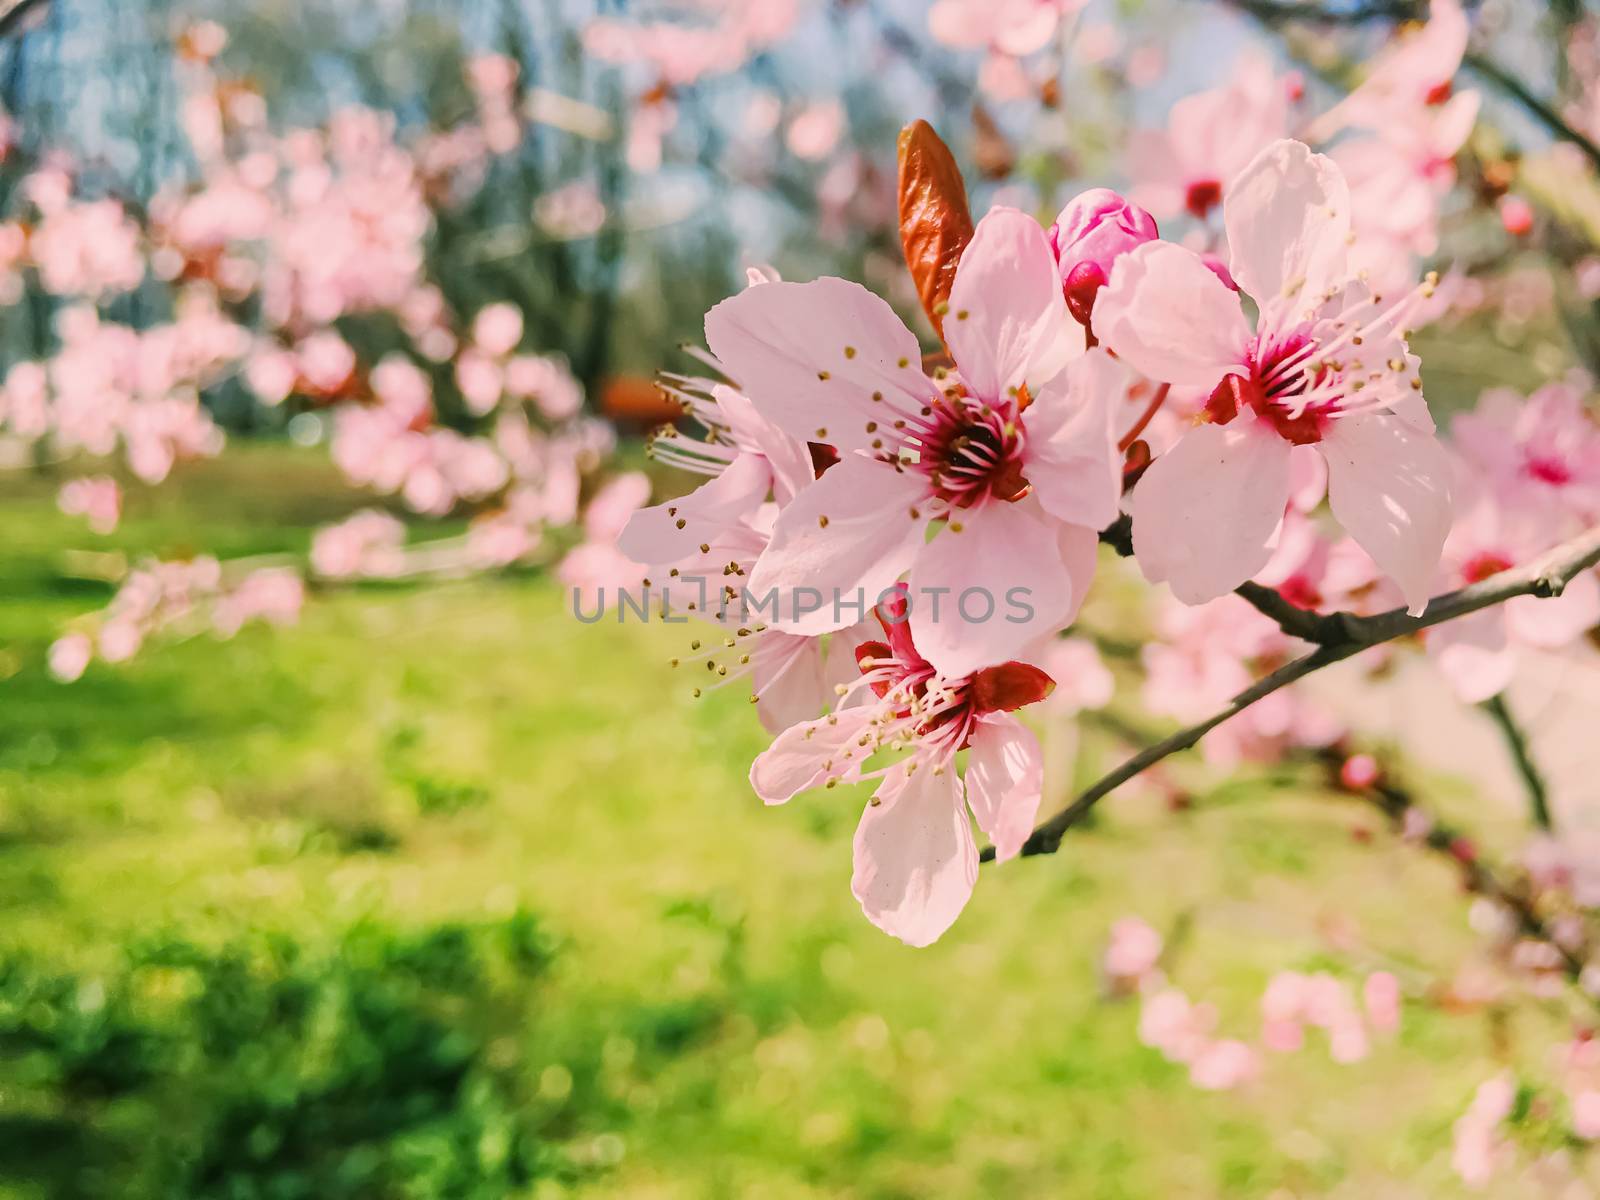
<point>1476,876</point>
<point>1539,108</point>
<point>1522,755</point>
<point>1274,12</point>
<point>1339,636</point>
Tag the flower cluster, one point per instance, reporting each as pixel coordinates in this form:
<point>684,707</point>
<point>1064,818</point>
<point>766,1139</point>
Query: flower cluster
<point>964,504</point>
<point>178,598</point>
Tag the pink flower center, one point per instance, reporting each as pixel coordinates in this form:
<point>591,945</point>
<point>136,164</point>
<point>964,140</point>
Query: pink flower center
<point>1203,196</point>
<point>1272,393</point>
<point>1484,566</point>
<point>1301,592</point>
<point>1302,377</point>
<point>971,451</point>
<point>926,702</point>
<point>1547,468</point>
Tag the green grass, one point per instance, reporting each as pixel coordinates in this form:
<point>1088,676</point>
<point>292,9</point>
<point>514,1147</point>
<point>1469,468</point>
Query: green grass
<point>715,1018</point>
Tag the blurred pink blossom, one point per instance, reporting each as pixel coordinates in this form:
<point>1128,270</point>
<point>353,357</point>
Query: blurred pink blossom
<point>98,499</point>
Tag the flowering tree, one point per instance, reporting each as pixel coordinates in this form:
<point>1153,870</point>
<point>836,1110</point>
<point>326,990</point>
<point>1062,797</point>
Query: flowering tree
<point>898,535</point>
<point>1142,460</point>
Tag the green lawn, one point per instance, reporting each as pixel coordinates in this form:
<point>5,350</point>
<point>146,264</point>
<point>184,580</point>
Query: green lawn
<point>445,894</point>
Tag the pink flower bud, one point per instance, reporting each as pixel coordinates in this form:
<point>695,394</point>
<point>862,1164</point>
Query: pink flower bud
<point>1381,995</point>
<point>1090,232</point>
<point>1586,1115</point>
<point>1082,284</point>
<point>1358,772</point>
<point>1516,214</point>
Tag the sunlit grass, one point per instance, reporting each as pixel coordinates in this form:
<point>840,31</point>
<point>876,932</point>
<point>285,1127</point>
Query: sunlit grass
<point>460,752</point>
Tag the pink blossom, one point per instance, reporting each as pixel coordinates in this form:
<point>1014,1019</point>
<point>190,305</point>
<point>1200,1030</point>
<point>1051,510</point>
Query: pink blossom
<point>1478,653</point>
<point>815,130</point>
<point>598,562</point>
<point>1170,1023</point>
<point>1132,952</point>
<point>368,544</point>
<point>680,54</point>
<point>728,520</point>
<point>572,211</point>
<point>1204,655</point>
<point>120,640</point>
<point>548,382</point>
<point>500,539</point>
<point>273,595</point>
<point>271,373</point>
<point>1359,772</point>
<point>1012,27</point>
<point>1415,72</point>
<point>326,362</point>
<point>915,859</point>
<point>69,657</point>
<point>1083,680</point>
<point>88,248</point>
<point>1542,450</point>
<point>1586,1114</point>
<point>1209,139</point>
<point>1224,1065</point>
<point>1516,215</point>
<point>1567,862</point>
<point>1479,1148</point>
<point>1022,490</point>
<point>497,329</point>
<point>481,382</point>
<point>97,499</point>
<point>1325,366</point>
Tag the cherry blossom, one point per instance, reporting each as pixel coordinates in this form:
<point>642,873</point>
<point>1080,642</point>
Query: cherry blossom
<point>98,499</point>
<point>691,546</point>
<point>1326,366</point>
<point>368,544</point>
<point>1479,1147</point>
<point>1016,28</point>
<point>1414,72</point>
<point>1016,457</point>
<point>915,859</point>
<point>1541,450</point>
<point>1209,139</point>
<point>1478,654</point>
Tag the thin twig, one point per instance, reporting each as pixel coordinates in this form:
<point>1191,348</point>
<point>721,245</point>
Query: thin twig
<point>1145,417</point>
<point>1340,636</point>
<point>1522,756</point>
<point>1539,108</point>
<point>1274,12</point>
<point>1477,876</point>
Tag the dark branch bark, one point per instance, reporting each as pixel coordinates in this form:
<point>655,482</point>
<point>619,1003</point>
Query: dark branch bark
<point>1339,636</point>
<point>1540,109</point>
<point>1522,756</point>
<point>1477,877</point>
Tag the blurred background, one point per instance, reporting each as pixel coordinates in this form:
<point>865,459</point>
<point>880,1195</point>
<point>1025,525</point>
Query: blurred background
<point>337,860</point>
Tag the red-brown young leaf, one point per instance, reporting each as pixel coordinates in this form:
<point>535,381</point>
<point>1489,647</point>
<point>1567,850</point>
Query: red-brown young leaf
<point>935,222</point>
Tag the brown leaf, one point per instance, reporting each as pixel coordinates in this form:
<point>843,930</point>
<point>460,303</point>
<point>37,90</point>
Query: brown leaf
<point>995,157</point>
<point>935,223</point>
